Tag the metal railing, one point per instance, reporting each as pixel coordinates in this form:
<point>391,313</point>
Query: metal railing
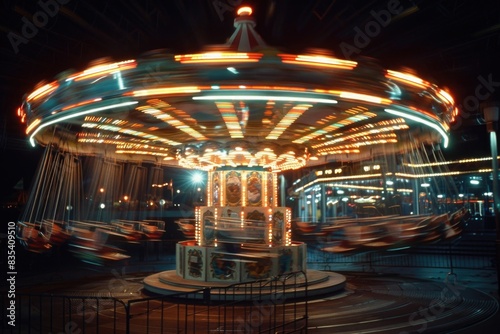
<point>276,305</point>
<point>53,314</point>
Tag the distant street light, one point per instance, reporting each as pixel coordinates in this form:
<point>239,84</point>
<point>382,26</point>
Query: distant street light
<point>162,203</point>
<point>197,178</point>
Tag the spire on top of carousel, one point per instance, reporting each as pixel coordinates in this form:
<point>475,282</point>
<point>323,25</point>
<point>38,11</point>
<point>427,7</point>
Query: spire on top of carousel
<point>245,38</point>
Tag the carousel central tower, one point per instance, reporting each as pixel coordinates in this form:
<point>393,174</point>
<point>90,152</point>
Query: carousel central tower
<point>242,235</point>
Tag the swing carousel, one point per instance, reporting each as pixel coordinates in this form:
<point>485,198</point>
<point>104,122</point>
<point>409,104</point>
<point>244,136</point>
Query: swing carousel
<point>242,111</point>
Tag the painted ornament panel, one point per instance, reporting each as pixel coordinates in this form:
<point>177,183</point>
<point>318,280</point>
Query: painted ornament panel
<point>254,189</point>
<point>233,188</point>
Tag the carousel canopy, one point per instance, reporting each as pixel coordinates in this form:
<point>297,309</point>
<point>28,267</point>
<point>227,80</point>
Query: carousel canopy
<point>241,103</point>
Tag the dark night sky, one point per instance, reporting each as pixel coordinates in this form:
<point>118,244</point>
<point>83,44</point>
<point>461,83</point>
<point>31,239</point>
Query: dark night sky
<point>453,43</point>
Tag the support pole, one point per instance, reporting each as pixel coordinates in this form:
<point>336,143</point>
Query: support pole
<point>491,114</point>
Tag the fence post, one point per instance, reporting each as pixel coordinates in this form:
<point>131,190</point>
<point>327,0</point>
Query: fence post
<point>206,296</point>
<point>127,316</point>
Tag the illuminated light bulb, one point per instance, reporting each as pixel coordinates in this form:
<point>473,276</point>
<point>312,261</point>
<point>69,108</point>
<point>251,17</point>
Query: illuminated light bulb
<point>43,91</point>
<point>244,11</point>
<point>265,98</point>
<point>77,114</point>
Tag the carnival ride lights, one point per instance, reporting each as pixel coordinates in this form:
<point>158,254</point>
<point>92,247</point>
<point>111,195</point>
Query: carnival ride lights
<point>239,105</point>
<point>375,223</point>
<point>192,101</point>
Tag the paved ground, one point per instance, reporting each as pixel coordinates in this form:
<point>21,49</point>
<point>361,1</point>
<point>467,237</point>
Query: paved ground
<point>376,299</point>
<point>370,303</point>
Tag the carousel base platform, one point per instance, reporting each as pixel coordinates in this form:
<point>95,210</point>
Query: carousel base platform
<point>318,283</point>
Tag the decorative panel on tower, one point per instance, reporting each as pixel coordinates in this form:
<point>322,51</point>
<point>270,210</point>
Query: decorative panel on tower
<point>222,268</point>
<point>254,188</point>
<point>233,189</point>
<point>270,190</point>
<point>195,263</point>
<point>208,231</point>
<point>215,189</point>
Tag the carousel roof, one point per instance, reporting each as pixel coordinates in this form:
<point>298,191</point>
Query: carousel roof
<point>242,103</point>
